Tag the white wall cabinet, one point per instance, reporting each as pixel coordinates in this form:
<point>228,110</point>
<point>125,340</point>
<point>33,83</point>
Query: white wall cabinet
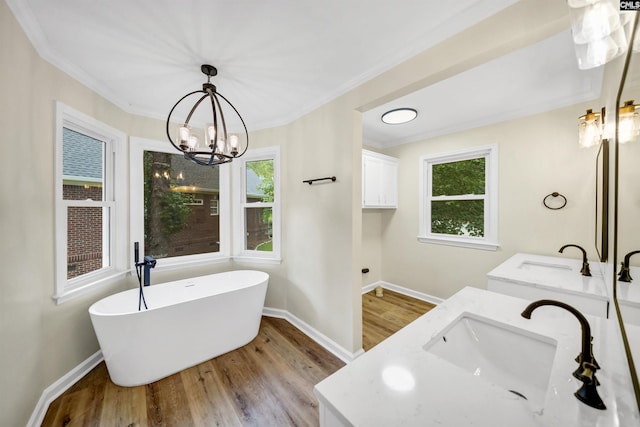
<point>379,180</point>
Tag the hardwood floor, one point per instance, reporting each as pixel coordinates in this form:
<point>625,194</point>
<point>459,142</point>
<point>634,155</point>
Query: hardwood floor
<point>386,315</point>
<point>268,382</point>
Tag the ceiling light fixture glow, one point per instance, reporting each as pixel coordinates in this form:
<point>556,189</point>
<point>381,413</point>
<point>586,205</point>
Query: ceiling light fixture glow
<point>399,116</point>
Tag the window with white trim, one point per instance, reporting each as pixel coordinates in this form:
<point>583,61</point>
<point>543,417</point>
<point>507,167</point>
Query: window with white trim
<point>213,208</point>
<point>459,198</point>
<point>89,203</point>
<point>172,206</point>
<point>257,205</point>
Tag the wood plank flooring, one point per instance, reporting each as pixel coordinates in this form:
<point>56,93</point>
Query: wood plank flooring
<point>268,382</point>
<point>386,315</point>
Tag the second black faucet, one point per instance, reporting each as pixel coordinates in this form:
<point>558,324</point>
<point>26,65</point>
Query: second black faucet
<point>585,270</point>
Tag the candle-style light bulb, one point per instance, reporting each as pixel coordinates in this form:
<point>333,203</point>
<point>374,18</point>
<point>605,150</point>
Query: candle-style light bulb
<point>233,142</point>
<point>193,143</point>
<point>221,147</point>
<point>183,137</point>
<point>211,135</point>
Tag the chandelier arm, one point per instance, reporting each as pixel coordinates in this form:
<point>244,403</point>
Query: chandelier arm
<point>241,120</point>
<point>224,123</point>
<point>215,122</point>
<point>169,118</point>
<point>212,161</point>
<point>195,106</point>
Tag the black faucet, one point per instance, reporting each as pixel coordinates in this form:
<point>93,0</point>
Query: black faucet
<point>585,270</point>
<point>625,274</point>
<point>586,372</point>
<point>148,264</point>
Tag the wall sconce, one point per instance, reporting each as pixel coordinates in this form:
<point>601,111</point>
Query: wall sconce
<point>598,31</point>
<point>590,128</point>
<point>628,122</point>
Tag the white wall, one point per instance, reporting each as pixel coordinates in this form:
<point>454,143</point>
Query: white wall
<point>40,341</point>
<point>537,156</point>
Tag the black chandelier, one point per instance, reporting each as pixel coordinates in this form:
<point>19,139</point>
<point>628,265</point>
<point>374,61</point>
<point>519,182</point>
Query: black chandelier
<point>223,146</point>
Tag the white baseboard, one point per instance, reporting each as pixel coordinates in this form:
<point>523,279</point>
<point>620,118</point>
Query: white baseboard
<point>404,291</point>
<point>56,389</point>
<point>326,342</point>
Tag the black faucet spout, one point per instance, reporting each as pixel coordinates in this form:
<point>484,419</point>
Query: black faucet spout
<point>588,366</point>
<point>585,270</point>
<point>625,273</point>
<point>586,354</point>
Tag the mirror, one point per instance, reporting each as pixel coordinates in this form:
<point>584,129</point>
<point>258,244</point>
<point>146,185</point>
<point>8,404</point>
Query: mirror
<point>628,216</point>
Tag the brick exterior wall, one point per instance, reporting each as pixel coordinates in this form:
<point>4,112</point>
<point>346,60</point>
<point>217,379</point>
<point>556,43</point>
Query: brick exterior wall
<point>257,230</point>
<point>202,232</point>
<point>84,231</point>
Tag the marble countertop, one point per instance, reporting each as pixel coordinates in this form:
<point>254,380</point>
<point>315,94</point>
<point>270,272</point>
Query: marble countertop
<point>629,292</point>
<point>443,394</point>
<point>558,274</point>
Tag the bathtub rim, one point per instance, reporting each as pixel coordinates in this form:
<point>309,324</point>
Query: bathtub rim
<point>135,291</point>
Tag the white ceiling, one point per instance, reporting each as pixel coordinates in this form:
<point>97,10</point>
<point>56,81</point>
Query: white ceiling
<point>279,59</point>
<point>541,77</point>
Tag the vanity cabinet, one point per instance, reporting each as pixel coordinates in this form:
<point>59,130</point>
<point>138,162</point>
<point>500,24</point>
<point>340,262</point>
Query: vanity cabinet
<point>379,180</point>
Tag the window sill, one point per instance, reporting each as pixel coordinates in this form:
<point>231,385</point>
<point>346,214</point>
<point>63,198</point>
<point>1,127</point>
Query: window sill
<point>463,243</point>
<point>181,262</point>
<point>69,294</point>
<point>257,260</point>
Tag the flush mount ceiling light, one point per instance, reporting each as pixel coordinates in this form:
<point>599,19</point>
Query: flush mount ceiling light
<point>590,129</point>
<point>628,122</point>
<point>220,146</point>
<point>399,116</point>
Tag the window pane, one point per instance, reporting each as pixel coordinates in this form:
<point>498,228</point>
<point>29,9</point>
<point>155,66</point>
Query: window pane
<point>178,195</point>
<point>458,217</point>
<point>82,166</point>
<point>84,240</point>
<point>457,178</point>
<point>259,181</point>
<point>259,227</point>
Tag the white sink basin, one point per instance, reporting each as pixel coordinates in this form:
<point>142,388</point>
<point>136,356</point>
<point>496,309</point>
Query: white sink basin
<point>544,266</point>
<point>516,360</point>
<point>534,277</point>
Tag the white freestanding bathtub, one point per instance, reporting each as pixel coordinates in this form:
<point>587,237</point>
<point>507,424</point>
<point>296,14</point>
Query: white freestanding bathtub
<point>187,322</point>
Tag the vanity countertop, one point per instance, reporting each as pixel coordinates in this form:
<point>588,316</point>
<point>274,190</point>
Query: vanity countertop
<point>629,292</point>
<point>445,395</point>
<point>555,273</point>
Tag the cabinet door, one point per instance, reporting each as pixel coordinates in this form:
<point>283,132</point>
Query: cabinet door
<point>371,172</point>
<point>389,184</point>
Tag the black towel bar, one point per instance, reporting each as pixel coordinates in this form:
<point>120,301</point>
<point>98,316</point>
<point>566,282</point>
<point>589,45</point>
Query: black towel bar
<point>311,181</point>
